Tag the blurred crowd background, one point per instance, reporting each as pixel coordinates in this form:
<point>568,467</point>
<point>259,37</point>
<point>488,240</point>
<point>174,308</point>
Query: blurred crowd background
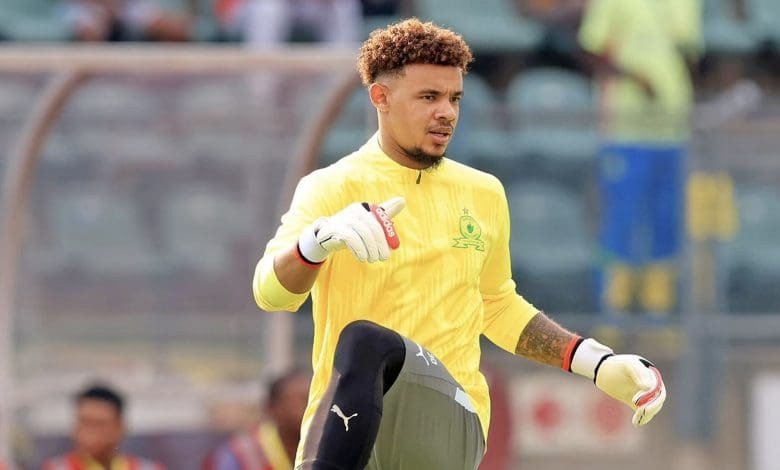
<point>638,141</point>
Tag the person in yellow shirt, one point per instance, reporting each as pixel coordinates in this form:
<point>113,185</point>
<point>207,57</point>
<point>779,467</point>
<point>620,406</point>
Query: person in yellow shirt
<point>402,290</point>
<point>271,444</point>
<point>97,435</point>
<point>640,49</point>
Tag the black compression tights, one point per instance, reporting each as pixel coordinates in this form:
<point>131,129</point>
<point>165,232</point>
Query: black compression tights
<point>368,360</point>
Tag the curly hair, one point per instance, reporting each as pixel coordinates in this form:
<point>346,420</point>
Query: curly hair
<point>410,42</point>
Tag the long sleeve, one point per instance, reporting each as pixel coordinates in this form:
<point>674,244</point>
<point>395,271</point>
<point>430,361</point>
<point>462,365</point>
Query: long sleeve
<point>506,312</point>
<point>309,203</point>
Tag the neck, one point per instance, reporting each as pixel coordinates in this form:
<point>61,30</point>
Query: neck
<point>104,460</point>
<point>396,153</point>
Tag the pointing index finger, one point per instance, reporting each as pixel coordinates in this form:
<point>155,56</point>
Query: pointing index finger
<point>393,206</point>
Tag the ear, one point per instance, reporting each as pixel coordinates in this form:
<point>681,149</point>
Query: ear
<point>379,94</point>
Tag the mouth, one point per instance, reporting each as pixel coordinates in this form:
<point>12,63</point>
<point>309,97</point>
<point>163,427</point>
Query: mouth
<point>441,135</point>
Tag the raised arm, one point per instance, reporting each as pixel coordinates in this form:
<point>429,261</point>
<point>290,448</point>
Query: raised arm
<point>284,276</point>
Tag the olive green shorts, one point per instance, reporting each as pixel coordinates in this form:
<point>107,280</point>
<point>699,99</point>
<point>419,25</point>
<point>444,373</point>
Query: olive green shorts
<point>428,421</point>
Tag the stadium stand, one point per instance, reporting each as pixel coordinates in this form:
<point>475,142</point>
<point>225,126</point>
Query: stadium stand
<point>33,20</point>
<point>199,225</point>
<point>764,18</point>
<point>88,223</point>
<point>204,26</point>
<point>553,111</point>
<point>753,258</point>
<point>380,13</point>
<point>114,100</point>
<point>490,26</point>
<point>482,136</point>
<point>351,129</point>
<point>725,31</point>
<point>552,254</point>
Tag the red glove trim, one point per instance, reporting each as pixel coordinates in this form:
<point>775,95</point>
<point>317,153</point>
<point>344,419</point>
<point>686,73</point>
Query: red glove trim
<point>652,394</point>
<point>303,260</point>
<point>571,348</point>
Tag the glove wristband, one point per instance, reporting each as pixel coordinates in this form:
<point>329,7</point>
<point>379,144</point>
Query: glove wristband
<point>587,357</point>
<point>571,348</point>
<point>309,248</point>
<point>304,261</point>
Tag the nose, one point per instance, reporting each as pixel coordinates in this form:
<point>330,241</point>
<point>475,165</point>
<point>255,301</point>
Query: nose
<point>447,110</point>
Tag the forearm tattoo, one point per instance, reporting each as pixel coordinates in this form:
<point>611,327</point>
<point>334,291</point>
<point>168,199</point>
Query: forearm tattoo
<point>544,341</point>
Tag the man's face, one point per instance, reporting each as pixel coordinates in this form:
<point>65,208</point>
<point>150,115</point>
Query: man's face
<point>287,411</point>
<point>423,103</point>
<point>98,430</point>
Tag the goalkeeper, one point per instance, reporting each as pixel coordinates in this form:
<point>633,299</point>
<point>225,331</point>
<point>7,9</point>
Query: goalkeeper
<point>406,255</point>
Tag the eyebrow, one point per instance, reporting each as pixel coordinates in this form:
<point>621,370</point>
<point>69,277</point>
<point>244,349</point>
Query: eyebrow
<point>431,91</point>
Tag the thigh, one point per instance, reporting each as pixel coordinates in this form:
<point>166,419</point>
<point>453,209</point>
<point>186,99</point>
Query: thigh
<point>427,420</point>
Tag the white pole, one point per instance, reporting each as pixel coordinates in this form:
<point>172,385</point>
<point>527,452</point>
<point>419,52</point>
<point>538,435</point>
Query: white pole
<point>16,187</point>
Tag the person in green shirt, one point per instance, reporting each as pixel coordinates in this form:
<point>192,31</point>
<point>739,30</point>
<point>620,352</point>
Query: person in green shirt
<point>640,51</point>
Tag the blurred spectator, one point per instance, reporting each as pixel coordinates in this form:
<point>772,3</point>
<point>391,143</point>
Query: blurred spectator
<point>123,20</point>
<point>684,21</point>
<point>97,435</point>
<point>646,100</point>
<point>561,19</point>
<point>271,444</point>
<point>268,23</point>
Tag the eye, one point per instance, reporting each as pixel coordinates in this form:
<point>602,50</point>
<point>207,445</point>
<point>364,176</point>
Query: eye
<point>456,99</point>
<point>428,97</point>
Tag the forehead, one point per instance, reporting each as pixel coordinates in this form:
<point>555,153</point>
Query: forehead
<point>97,408</point>
<point>440,77</point>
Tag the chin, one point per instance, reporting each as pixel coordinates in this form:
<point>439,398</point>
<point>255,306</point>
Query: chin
<point>437,152</point>
<point>424,157</point>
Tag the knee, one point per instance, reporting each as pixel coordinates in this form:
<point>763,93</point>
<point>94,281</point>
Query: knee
<point>363,336</point>
<point>366,341</point>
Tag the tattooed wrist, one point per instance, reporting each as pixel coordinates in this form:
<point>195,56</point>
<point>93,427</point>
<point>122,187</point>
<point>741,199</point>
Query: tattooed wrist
<point>543,341</point>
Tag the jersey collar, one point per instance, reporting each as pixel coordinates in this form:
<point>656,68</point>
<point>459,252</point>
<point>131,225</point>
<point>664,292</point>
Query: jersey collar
<point>382,162</point>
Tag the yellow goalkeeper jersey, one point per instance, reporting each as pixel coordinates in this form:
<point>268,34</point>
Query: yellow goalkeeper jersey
<point>448,283</point>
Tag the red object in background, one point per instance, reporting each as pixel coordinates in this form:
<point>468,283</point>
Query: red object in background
<point>608,416</point>
<point>547,414</point>
<point>224,9</point>
<point>499,444</point>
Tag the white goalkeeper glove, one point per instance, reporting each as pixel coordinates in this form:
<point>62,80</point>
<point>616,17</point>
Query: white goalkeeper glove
<point>365,229</point>
<point>628,378</point>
